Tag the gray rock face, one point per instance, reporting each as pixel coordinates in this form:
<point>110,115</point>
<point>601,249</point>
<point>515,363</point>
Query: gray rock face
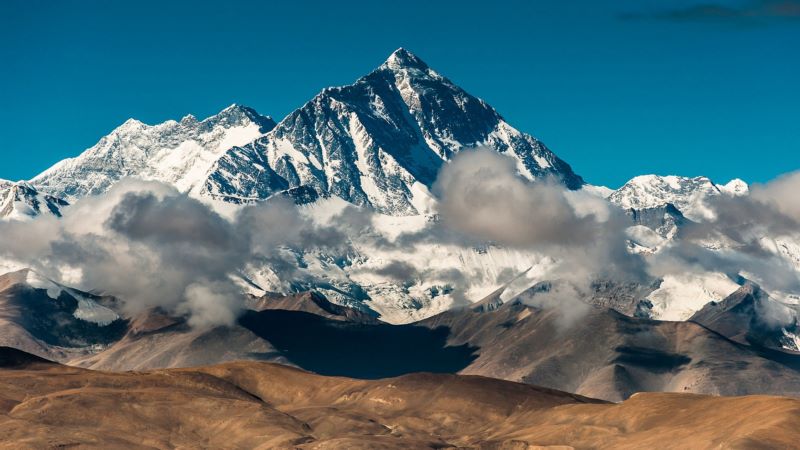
<point>378,142</point>
<point>665,220</point>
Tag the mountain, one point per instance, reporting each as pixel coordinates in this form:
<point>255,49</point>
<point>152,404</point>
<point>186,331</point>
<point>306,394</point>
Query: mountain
<point>43,317</point>
<point>750,316</point>
<point>179,153</point>
<point>607,355</point>
<point>156,339</point>
<point>665,220</point>
<point>21,200</point>
<point>601,353</point>
<point>378,142</point>
<point>311,302</point>
<point>688,195</point>
<point>593,351</point>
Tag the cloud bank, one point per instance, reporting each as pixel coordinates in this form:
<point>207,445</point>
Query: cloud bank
<point>152,246</point>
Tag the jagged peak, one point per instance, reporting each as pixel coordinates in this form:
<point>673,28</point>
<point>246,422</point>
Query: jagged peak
<point>16,186</point>
<point>233,108</point>
<point>404,59</point>
<point>650,178</point>
<point>129,125</point>
<point>736,187</point>
<point>132,122</point>
<point>24,185</point>
<point>236,111</point>
<point>233,112</point>
<point>236,108</point>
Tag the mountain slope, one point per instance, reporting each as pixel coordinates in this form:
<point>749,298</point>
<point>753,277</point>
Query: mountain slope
<point>607,355</point>
<point>378,142</point>
<point>749,316</point>
<point>603,354</point>
<point>258,405</point>
<point>23,201</point>
<point>179,153</point>
<point>45,318</point>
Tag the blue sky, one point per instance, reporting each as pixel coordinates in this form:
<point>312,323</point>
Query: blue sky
<point>617,88</point>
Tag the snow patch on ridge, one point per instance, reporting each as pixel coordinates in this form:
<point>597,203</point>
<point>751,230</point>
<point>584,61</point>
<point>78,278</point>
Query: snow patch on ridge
<point>680,296</point>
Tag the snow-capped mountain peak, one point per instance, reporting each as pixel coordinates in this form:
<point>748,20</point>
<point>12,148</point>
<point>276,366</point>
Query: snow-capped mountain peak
<point>735,187</point>
<point>179,153</point>
<point>378,142</point>
<point>21,201</point>
<point>689,194</point>
<point>402,59</point>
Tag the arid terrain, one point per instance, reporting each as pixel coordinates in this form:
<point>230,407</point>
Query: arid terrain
<point>265,405</point>
<point>607,356</point>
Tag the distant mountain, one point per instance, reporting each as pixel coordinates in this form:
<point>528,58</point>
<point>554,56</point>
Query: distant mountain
<point>666,220</point>
<point>750,317</point>
<point>180,153</point>
<point>21,200</point>
<point>688,195</point>
<point>156,339</point>
<point>602,353</point>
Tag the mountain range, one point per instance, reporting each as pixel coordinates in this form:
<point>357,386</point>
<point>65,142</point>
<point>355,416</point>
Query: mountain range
<point>371,152</point>
<point>378,142</point>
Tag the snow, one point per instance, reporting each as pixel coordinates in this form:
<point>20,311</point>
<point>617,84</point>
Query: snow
<point>373,140</point>
<point>689,195</point>
<point>21,201</point>
<point>37,281</point>
<point>187,165</point>
<point>91,311</point>
<point>735,187</point>
<point>88,309</point>
<point>422,199</point>
<point>680,296</point>
<point>599,191</point>
<point>179,153</point>
<point>791,341</point>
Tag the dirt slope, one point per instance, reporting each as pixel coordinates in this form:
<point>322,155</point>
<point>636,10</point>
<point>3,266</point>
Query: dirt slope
<point>264,405</point>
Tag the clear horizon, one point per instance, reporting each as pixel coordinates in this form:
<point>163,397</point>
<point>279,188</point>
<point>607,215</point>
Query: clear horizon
<point>615,90</point>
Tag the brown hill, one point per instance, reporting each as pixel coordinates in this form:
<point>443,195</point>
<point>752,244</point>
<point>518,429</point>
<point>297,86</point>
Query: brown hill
<point>749,316</point>
<point>607,355</point>
<point>603,355</point>
<point>263,405</point>
<point>44,323</point>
